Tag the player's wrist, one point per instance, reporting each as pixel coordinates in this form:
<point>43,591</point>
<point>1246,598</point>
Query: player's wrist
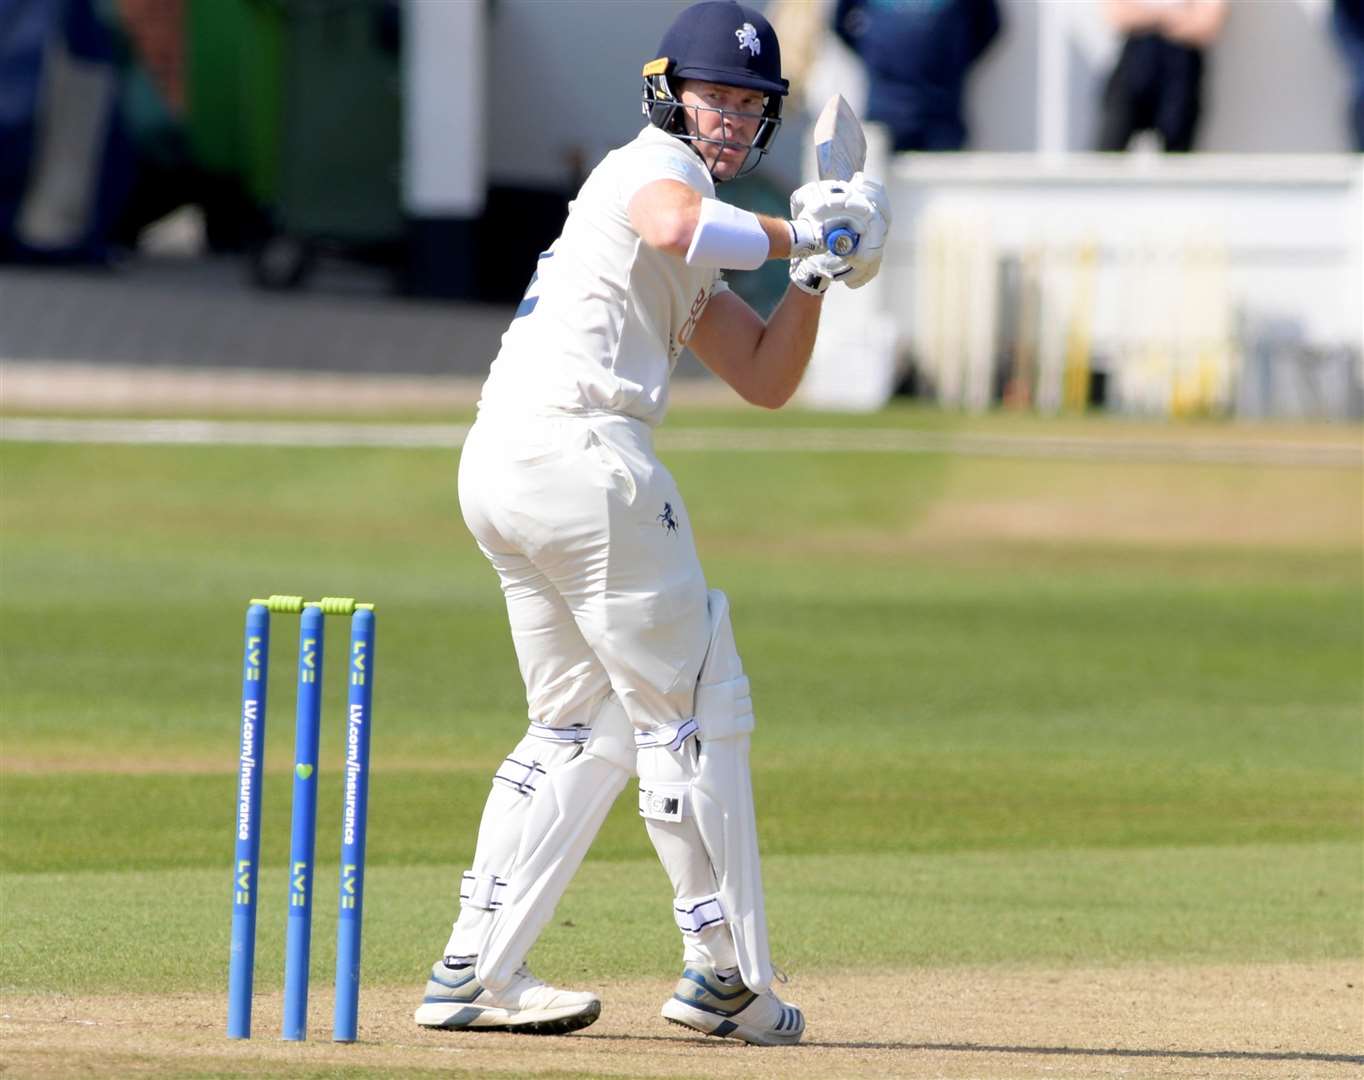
<point>807,237</point>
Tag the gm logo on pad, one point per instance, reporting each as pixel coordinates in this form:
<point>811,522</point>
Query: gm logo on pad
<point>660,805</point>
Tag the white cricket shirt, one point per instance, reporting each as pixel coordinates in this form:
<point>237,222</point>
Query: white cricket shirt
<point>606,316</point>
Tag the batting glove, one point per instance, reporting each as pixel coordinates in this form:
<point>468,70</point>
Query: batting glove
<point>859,204</point>
<point>817,208</point>
<point>865,262</point>
<point>808,276</point>
<point>820,200</point>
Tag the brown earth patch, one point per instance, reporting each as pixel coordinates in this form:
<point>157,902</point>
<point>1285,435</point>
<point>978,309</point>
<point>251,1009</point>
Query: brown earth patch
<point>1156,521</point>
<point>1291,1021</point>
<point>1154,506</point>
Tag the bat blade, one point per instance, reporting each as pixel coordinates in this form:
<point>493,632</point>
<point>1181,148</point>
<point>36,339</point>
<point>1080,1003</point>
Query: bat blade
<point>840,144</point>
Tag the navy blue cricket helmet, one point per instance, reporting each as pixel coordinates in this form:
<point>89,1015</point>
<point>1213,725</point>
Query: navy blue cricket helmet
<point>718,41</point>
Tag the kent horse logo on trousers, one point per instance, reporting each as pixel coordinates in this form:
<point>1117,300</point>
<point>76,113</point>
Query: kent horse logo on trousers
<point>666,518</point>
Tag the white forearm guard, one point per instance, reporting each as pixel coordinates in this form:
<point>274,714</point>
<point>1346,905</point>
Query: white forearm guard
<point>727,238</point>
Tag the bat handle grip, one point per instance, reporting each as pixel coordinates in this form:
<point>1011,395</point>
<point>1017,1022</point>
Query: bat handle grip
<point>842,241</point>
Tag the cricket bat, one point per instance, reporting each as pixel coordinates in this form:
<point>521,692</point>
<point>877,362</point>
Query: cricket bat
<point>840,151</point>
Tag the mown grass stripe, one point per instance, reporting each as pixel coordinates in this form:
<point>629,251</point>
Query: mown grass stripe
<point>1221,451</point>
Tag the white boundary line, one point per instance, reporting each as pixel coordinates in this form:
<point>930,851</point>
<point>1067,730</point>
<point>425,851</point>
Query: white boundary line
<point>718,439</point>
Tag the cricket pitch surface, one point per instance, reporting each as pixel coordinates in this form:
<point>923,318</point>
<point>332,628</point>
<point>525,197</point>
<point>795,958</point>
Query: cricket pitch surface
<point>1269,1020</point>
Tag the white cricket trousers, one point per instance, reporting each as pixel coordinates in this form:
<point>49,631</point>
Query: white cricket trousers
<point>604,592</point>
<point>593,545</point>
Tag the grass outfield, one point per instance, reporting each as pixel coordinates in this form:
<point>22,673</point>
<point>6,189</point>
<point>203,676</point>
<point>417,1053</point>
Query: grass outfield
<point>1010,711</point>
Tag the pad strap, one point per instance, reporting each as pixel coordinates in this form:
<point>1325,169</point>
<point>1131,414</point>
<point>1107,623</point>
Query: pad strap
<point>671,736</point>
<point>521,776</point>
<point>559,734</point>
<point>727,238</point>
<point>481,890</point>
<point>695,913</point>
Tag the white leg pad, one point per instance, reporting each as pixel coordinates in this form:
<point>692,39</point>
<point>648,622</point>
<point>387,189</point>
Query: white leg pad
<point>665,779</point>
<point>698,808</point>
<point>570,803</point>
<point>499,834</point>
<point>722,796</point>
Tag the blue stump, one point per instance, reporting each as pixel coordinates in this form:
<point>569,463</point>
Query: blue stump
<point>298,939</point>
<point>354,820</point>
<point>246,860</point>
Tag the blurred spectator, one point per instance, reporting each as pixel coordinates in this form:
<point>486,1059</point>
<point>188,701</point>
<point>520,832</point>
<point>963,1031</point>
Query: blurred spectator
<point>801,26</point>
<point>65,159</point>
<point>1157,84</point>
<point>164,176</point>
<point>918,53</point>
<point>1348,20</point>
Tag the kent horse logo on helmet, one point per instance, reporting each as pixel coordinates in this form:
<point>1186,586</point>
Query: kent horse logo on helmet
<point>717,41</point>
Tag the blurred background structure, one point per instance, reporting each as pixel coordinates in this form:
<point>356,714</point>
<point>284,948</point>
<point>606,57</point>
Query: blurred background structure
<point>363,186</point>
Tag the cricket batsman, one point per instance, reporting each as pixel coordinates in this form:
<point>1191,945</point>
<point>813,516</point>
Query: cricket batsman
<point>629,661</point>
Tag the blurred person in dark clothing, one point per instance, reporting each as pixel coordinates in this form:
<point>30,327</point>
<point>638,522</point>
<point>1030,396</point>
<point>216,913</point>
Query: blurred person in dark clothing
<point>1157,84</point>
<point>918,53</point>
<point>1348,21</point>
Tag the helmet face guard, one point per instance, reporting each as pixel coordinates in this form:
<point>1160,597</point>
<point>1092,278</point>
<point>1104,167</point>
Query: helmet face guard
<point>665,110</point>
<point>721,42</point>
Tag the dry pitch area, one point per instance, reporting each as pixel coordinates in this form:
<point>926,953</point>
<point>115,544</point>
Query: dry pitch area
<point>1289,1021</point>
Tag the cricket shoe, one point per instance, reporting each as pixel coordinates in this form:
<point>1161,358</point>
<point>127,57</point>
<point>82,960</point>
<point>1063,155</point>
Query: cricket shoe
<point>457,1001</point>
<point>727,1008</point>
